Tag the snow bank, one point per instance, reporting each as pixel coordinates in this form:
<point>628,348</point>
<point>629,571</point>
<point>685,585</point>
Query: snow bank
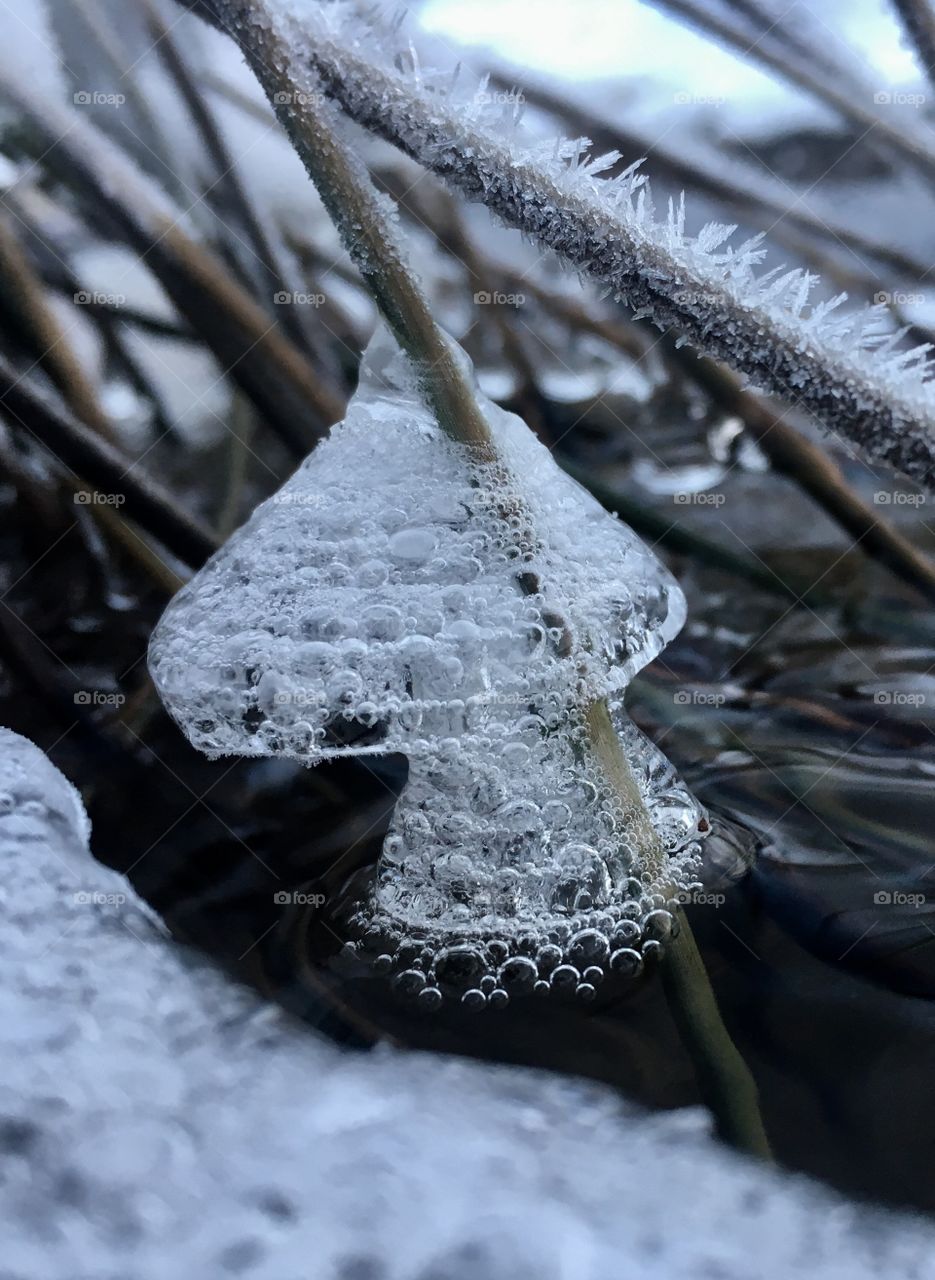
<point>156,1120</point>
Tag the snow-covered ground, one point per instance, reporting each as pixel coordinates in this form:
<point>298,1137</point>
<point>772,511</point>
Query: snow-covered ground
<point>157,1120</point>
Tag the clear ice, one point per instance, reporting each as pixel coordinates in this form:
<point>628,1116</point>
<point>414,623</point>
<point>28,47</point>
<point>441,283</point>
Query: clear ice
<point>400,594</point>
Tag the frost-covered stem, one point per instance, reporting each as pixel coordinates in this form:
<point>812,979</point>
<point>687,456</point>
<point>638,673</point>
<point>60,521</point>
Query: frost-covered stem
<point>362,221</point>
<point>787,449</point>
<point>918,18</point>
<point>683,171</point>
<point>348,194</point>
<point>724,1078</point>
<point>642,266</point>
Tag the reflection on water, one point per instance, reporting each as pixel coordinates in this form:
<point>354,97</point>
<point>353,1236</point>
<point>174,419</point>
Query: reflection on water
<point>808,732</point>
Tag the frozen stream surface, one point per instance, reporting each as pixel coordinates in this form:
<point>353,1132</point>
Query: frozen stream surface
<point>157,1120</point>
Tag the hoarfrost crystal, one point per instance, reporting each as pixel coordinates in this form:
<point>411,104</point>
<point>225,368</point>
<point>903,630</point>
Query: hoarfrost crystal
<point>401,595</point>
<point>847,367</point>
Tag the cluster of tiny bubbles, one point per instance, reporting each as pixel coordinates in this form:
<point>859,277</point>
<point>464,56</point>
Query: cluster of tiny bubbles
<point>401,595</point>
<point>561,957</point>
<point>507,873</point>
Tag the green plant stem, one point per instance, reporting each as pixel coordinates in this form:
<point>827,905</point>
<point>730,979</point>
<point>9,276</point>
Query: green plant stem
<point>726,1084</point>
<point>313,126</point>
<point>725,1080</point>
<point>367,234</point>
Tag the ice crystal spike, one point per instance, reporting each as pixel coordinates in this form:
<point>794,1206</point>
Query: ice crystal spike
<point>400,595</point>
<point>824,358</point>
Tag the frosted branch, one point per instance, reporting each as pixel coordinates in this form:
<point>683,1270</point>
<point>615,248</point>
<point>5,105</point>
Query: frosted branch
<point>842,366</point>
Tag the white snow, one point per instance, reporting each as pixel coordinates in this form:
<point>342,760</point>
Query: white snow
<point>157,1120</point>
<point>29,45</point>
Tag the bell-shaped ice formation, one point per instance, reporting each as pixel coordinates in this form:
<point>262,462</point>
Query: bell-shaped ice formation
<point>400,594</point>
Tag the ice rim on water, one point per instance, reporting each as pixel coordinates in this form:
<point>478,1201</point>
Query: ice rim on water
<point>400,595</point>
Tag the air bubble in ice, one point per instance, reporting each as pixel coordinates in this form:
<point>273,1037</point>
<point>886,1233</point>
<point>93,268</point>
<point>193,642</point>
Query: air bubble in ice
<point>426,602</point>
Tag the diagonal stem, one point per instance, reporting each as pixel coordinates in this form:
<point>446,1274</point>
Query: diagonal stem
<point>886,410</point>
<point>369,237</point>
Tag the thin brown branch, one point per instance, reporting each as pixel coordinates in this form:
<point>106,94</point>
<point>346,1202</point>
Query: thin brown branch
<point>111,475</point>
<point>811,469</point>
<point>270,273</point>
<point>248,345</point>
<point>46,338</point>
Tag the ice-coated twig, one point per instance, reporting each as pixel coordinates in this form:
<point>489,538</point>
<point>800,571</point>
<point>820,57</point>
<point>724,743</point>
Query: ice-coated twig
<point>728,183</point>
<point>787,449</point>
<point>840,366</point>
<point>369,236</point>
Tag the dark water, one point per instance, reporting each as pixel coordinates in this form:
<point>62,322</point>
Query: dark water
<point>822,953</point>
<point>806,728</point>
